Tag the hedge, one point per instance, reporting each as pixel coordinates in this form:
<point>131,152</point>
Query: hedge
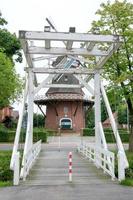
<point>8,136</point>
<point>108,134</point>
<point>88,132</point>
<point>5,173</point>
<point>128,171</point>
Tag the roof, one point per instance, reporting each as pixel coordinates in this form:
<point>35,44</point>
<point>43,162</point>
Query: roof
<point>44,100</point>
<point>107,121</point>
<point>65,79</point>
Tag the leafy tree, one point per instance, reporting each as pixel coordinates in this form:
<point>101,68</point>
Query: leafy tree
<point>38,120</point>
<point>90,118</point>
<point>10,83</point>
<point>122,114</point>
<point>9,44</point>
<point>117,18</point>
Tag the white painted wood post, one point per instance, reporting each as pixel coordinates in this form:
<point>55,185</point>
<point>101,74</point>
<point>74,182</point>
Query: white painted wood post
<point>16,174</point>
<point>114,127</point>
<point>121,167</point>
<point>19,125</point>
<point>29,131</point>
<point>97,114</point>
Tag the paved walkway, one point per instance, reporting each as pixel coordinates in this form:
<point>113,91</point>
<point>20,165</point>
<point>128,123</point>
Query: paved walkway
<point>48,179</point>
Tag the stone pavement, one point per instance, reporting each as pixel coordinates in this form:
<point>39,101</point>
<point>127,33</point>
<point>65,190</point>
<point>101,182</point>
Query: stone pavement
<point>48,179</point>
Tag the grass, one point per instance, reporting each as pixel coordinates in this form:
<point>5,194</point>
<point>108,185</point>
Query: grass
<point>127,182</point>
<point>6,175</point>
<point>5,183</point>
<point>129,172</point>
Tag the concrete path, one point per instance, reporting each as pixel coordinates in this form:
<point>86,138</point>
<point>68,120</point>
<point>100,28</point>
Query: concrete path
<point>48,179</point>
<point>51,168</point>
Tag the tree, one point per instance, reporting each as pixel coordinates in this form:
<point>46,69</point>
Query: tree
<point>90,118</point>
<point>10,82</point>
<point>117,18</point>
<point>38,120</point>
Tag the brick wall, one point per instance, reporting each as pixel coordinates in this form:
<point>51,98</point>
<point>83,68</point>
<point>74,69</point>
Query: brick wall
<point>7,111</point>
<point>65,109</point>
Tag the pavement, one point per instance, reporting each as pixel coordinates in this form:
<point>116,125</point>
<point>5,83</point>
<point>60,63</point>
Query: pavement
<point>48,179</point>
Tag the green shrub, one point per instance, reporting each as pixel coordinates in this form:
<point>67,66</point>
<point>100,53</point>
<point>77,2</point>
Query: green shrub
<point>3,133</point>
<point>5,173</point>
<point>40,135</point>
<point>5,183</point>
<point>88,132</point>
<point>111,139</point>
<point>128,171</point>
<point>8,136</point>
<point>127,182</point>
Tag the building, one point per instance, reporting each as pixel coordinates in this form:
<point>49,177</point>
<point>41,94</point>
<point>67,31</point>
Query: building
<point>65,107</point>
<point>5,112</point>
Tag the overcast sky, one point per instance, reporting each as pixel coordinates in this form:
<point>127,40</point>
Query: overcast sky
<point>31,14</point>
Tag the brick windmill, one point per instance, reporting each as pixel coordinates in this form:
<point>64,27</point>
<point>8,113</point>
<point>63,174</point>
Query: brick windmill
<point>65,106</point>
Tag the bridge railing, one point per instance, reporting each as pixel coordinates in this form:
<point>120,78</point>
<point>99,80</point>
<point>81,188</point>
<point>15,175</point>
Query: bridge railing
<point>104,157</point>
<point>29,158</point>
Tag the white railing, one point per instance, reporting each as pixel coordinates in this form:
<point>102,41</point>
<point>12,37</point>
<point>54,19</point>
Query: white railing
<point>29,158</point>
<point>16,168</point>
<point>122,159</point>
<point>104,157</point>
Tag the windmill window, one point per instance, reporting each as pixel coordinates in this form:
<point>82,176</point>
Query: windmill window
<point>66,123</point>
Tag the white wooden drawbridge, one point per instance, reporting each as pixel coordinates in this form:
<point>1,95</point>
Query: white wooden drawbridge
<point>92,57</point>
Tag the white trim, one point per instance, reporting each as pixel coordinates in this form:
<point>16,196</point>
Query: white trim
<point>65,118</point>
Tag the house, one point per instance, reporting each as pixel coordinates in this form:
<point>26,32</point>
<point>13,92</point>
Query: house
<point>5,112</point>
<point>65,107</point>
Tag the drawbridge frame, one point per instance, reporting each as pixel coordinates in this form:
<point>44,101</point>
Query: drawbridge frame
<point>30,41</point>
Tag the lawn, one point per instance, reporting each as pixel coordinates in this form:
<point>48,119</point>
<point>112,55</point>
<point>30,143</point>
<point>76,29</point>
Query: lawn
<point>6,175</point>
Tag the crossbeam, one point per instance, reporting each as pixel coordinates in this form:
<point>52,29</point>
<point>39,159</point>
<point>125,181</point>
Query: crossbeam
<point>62,71</point>
<point>65,51</point>
<point>63,86</point>
<point>75,37</point>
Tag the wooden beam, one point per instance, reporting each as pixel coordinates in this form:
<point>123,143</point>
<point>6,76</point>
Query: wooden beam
<point>103,60</point>
<point>28,58</point>
<point>62,70</point>
<point>64,51</point>
<point>47,44</point>
<point>69,45</point>
<point>90,46</point>
<point>41,110</point>
<point>75,110</point>
<point>62,86</point>
<point>86,85</point>
<point>75,37</point>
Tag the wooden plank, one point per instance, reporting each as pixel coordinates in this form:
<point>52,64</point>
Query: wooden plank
<point>64,51</point>
<point>61,70</point>
<point>77,37</point>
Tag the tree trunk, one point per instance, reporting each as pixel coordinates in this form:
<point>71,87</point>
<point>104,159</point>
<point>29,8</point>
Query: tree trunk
<point>131,130</point>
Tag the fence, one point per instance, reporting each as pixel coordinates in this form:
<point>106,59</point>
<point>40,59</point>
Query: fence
<point>30,158</point>
<point>100,157</point>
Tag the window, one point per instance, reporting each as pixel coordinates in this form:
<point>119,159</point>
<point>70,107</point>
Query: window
<point>66,123</point>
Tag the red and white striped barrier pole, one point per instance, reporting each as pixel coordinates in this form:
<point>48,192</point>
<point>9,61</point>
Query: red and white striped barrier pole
<point>70,166</point>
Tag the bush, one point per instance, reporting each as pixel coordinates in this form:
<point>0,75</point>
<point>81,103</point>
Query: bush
<point>108,134</point>
<point>5,173</point>
<point>38,134</point>
<point>111,139</point>
<point>88,132</point>
<point>128,171</point>
<point>3,133</point>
